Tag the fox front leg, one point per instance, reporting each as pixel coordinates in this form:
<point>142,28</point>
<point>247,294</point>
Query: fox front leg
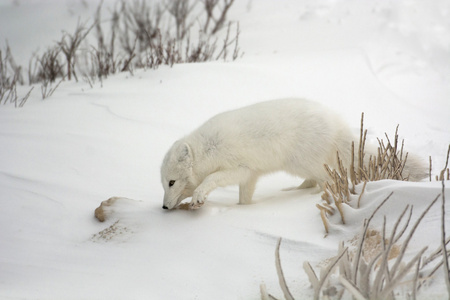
<point>218,179</point>
<point>202,191</point>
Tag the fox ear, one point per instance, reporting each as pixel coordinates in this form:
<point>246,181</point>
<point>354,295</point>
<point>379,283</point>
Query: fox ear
<point>185,154</point>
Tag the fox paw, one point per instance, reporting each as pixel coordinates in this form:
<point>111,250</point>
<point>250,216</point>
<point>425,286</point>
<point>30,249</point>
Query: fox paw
<point>195,205</point>
<point>198,199</point>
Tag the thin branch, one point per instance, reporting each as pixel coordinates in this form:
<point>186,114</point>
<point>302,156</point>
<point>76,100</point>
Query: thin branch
<point>311,275</point>
<point>441,175</point>
<point>415,280</point>
<point>444,248</point>
<point>25,98</point>
<point>431,164</point>
<point>362,192</point>
<point>383,272</point>
<point>356,293</point>
<point>283,285</point>
<point>392,284</point>
<point>327,272</point>
<point>408,238</point>
<point>361,241</point>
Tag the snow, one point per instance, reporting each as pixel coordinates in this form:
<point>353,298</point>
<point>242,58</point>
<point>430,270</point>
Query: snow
<point>62,156</point>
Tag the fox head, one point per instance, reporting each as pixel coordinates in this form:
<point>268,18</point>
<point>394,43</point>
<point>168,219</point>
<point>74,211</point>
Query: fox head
<point>176,175</point>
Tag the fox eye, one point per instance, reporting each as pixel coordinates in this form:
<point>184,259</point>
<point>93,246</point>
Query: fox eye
<point>171,183</point>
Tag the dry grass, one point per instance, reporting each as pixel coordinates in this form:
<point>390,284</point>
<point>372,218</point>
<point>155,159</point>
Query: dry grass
<point>9,70</point>
<point>140,35</point>
<point>144,36</point>
<point>387,164</point>
<point>9,82</point>
<point>47,67</point>
<point>374,275</point>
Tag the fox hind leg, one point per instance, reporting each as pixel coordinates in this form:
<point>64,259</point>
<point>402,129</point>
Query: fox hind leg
<point>307,183</point>
<point>246,189</point>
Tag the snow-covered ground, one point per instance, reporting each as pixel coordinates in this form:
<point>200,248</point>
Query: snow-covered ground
<point>61,157</point>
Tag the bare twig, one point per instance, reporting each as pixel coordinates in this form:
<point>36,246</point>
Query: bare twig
<point>326,273</point>
<point>283,285</point>
<point>69,45</point>
<point>416,280</point>
<point>25,98</point>
<point>362,192</point>
<point>47,90</point>
<point>263,291</point>
<point>14,67</point>
<point>311,275</point>
<point>223,14</point>
<point>361,241</point>
<point>46,67</point>
<point>396,279</point>
<point>352,288</point>
<point>444,248</point>
<point>180,10</point>
<point>209,5</point>
<point>227,42</point>
<point>408,238</point>
<point>442,174</point>
<point>430,168</point>
<point>236,43</point>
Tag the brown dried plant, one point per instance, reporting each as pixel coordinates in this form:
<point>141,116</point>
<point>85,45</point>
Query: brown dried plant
<point>445,170</point>
<point>387,164</point>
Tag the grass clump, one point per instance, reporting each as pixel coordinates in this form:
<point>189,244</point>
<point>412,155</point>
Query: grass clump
<point>388,163</point>
<point>137,35</point>
<point>368,273</point>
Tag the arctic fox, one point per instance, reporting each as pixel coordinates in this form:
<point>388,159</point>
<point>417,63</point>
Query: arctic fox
<point>237,147</point>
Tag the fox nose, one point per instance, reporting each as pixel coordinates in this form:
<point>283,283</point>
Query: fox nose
<point>165,207</point>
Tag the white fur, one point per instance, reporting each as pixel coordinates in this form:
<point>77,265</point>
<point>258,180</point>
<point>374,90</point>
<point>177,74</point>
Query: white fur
<point>237,147</point>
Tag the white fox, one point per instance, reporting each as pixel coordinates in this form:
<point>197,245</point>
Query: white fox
<point>237,147</point>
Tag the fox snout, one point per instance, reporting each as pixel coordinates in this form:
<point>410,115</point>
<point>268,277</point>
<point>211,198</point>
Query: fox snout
<point>165,207</point>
